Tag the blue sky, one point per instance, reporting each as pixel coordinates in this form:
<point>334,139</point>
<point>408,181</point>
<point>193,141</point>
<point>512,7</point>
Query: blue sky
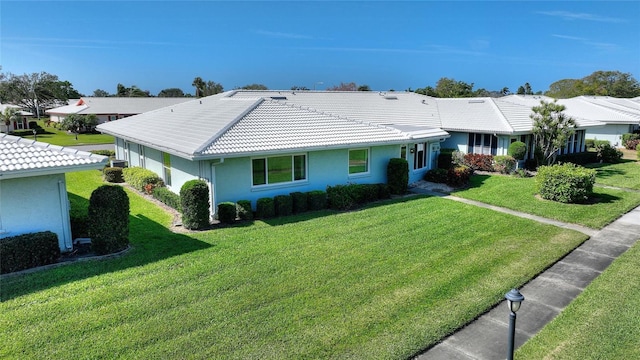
<point>384,44</point>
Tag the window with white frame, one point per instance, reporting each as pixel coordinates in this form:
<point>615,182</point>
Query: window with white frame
<point>166,168</point>
<point>358,161</point>
<point>419,156</point>
<point>278,169</point>
<point>485,144</point>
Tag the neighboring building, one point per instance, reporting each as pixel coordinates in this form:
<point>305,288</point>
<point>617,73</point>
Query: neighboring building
<point>22,123</point>
<point>253,144</point>
<point>111,108</point>
<point>33,192</point>
<point>614,127</point>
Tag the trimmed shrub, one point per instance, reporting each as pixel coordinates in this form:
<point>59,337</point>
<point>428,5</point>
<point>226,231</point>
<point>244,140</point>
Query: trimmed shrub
<point>109,153</point>
<point>601,143</point>
<point>457,158</point>
<point>479,162</point>
<point>243,209</point>
<point>437,176</point>
<point>194,202</point>
<point>632,144</point>
<point>139,178</point>
<point>459,176</point>
<point>504,164</point>
<point>517,150</point>
<point>316,200</point>
<point>608,154</point>
<point>398,176</point>
<point>227,212</point>
<point>445,160</point>
<point>383,191</point>
<point>28,251</point>
<point>283,205</point>
<point>79,225</point>
<point>299,202</point>
<point>167,197</point>
<point>566,183</point>
<point>108,219</point>
<point>340,197</point>
<point>265,208</point>
<point>590,143</point>
<point>113,174</point>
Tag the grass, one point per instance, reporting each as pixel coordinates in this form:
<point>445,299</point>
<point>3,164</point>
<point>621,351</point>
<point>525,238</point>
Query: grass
<point>62,138</point>
<point>520,194</point>
<point>625,174</point>
<point>601,323</point>
<point>376,283</point>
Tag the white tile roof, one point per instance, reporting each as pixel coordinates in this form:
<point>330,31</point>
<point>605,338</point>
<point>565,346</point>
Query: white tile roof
<point>627,107</point>
<point>116,105</point>
<point>20,111</point>
<point>20,157</point>
<point>473,115</point>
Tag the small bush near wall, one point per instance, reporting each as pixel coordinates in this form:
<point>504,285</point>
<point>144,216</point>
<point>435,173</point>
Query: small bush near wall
<point>139,178</point>
<point>283,205</point>
<point>109,153</point>
<point>167,197</point>
<point>631,144</point>
<point>316,200</point>
<point>227,212</point>
<point>194,202</point>
<point>113,174</point>
<point>630,137</point>
<point>398,176</point>
<point>344,197</point>
<point>265,208</point>
<point>457,158</point>
<point>479,162</point>
<point>517,149</point>
<point>243,208</point>
<point>437,176</point>
<point>28,251</point>
<point>601,143</point>
<point>79,225</point>
<point>299,202</point>
<point>608,154</point>
<point>445,160</point>
<point>566,183</point>
<point>109,219</point>
<point>459,176</point>
<point>384,192</point>
<point>504,164</point>
<point>590,143</point>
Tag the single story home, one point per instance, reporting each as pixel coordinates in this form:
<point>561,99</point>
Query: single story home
<point>20,123</point>
<point>33,191</point>
<point>615,126</point>
<point>252,144</point>
<point>111,108</point>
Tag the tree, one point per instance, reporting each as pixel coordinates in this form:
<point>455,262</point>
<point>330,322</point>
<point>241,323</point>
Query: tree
<point>520,90</point>
<point>551,128</point>
<point>8,115</point>
<point>527,89</point>
<point>602,83</point>
<point>450,88</point>
<point>79,123</point>
<point>429,91</point>
<point>171,92</point>
<point>199,84</point>
<point>364,88</point>
<point>133,91</point>
<point>505,91</point>
<point>301,88</point>
<point>254,87</point>
<point>206,88</point>
<point>100,93</point>
<point>36,91</point>
<point>344,87</point>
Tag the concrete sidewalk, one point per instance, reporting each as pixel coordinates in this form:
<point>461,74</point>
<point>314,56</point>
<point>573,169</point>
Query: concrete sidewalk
<point>545,296</point>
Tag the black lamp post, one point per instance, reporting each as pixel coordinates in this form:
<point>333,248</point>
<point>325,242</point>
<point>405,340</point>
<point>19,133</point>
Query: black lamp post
<point>514,299</point>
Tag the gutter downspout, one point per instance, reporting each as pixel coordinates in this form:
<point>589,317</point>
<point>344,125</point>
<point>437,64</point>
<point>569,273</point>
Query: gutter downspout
<point>65,217</point>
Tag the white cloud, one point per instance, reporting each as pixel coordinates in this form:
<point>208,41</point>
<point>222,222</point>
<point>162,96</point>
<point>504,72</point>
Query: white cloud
<point>566,15</point>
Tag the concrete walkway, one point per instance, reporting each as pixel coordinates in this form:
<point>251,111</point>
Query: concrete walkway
<point>545,296</point>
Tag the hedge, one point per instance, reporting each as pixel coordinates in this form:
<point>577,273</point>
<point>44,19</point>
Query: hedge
<point>243,208</point>
<point>113,174</point>
<point>459,176</point>
<point>194,202</point>
<point>283,205</point>
<point>227,212</point>
<point>344,197</point>
<point>299,202</point>
<point>109,153</point>
<point>265,208</point>
<point>316,200</point>
<point>566,183</point>
<point>108,222</point>
<point>139,178</point>
<point>28,251</point>
<point>479,162</point>
<point>167,197</point>
<point>398,176</point>
<point>436,176</point>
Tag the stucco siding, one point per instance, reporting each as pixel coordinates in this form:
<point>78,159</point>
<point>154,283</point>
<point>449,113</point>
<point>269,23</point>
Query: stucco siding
<point>457,141</point>
<point>612,133</point>
<point>35,204</point>
<point>182,170</point>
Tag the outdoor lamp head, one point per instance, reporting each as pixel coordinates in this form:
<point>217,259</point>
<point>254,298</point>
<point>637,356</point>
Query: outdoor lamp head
<point>514,299</point>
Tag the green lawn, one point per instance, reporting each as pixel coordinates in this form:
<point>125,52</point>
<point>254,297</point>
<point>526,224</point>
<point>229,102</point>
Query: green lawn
<point>520,194</point>
<point>62,138</point>
<point>602,323</point>
<point>382,282</point>
<point>625,174</point>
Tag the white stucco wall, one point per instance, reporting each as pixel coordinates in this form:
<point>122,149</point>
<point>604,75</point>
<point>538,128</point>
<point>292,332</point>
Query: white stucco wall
<point>612,133</point>
<point>35,204</point>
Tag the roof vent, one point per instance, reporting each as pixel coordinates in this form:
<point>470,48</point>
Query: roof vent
<point>391,97</point>
<point>476,101</point>
<point>279,98</point>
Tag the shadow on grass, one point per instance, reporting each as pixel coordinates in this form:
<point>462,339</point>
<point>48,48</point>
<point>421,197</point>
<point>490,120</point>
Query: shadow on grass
<point>475,181</point>
<point>150,242</point>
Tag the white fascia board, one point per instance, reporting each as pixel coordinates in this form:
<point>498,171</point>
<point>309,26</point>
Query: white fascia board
<point>16,174</point>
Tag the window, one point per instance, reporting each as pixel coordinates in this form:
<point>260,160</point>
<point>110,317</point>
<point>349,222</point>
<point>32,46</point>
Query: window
<point>166,167</point>
<point>420,156</point>
<point>279,169</point>
<point>403,152</point>
<point>358,161</point>
<point>486,144</point>
<point>142,161</point>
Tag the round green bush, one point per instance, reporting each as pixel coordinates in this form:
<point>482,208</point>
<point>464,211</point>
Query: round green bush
<point>265,208</point>
<point>194,199</point>
<point>113,174</point>
<point>227,212</point>
<point>243,209</point>
<point>517,150</point>
<point>566,183</point>
<point>504,164</point>
<point>108,220</point>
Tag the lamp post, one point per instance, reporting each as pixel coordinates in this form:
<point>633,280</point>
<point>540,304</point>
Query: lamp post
<point>514,299</point>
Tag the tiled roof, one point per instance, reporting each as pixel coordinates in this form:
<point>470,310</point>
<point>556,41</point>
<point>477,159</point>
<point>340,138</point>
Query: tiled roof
<point>473,115</point>
<point>627,107</point>
<point>20,111</point>
<point>585,115</point>
<point>21,157</point>
<point>116,105</point>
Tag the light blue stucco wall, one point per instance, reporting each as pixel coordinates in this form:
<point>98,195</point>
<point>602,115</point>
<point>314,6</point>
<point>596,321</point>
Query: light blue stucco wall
<point>457,141</point>
<point>612,133</point>
<point>34,204</point>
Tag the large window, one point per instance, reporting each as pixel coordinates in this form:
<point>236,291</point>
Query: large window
<point>279,169</point>
<point>486,144</point>
<point>166,167</point>
<point>358,161</point>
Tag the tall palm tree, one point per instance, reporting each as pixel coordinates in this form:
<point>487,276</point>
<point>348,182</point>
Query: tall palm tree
<point>200,85</point>
<point>9,114</point>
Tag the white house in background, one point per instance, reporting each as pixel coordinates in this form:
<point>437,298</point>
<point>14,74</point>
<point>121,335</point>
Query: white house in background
<point>614,127</point>
<point>33,191</point>
<point>112,108</point>
<point>253,144</point>
<point>21,123</point>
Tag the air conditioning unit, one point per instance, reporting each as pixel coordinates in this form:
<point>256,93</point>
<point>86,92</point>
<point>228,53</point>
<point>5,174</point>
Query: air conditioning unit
<point>119,163</point>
